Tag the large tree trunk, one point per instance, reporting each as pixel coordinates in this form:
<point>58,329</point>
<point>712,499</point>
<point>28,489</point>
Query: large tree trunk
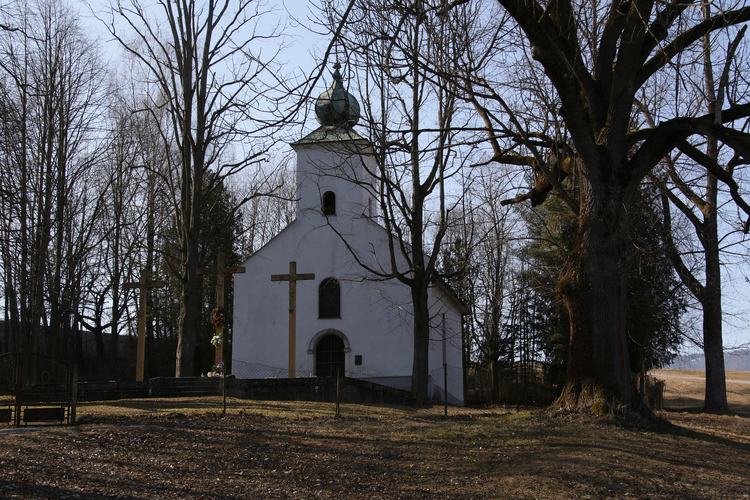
<point>421,366</point>
<point>495,369</point>
<point>192,204</point>
<point>716,387</point>
<point>189,213</point>
<point>594,291</point>
<point>189,305</point>
<point>715,397</point>
<point>494,341</point>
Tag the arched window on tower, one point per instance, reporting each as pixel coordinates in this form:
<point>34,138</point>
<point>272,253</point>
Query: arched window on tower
<point>329,299</point>
<point>329,203</point>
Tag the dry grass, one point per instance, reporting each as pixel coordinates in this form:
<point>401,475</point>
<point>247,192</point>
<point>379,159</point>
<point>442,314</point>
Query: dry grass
<point>184,449</point>
<point>685,388</point>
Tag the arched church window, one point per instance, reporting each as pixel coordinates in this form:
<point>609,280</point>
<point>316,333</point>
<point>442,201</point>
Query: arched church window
<point>329,203</point>
<point>329,356</point>
<point>329,299</point>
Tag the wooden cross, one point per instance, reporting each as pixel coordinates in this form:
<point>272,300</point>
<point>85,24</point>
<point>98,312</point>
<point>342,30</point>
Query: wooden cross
<point>220,271</point>
<point>144,284</point>
<point>292,278</point>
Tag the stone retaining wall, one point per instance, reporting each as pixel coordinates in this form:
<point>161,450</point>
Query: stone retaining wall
<point>315,389</point>
<point>273,389</point>
<point>107,391</point>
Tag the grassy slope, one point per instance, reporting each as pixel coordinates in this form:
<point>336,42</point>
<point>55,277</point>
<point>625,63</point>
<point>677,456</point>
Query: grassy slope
<point>183,449</point>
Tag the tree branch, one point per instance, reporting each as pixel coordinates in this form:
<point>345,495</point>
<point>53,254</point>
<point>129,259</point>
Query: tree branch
<point>689,37</point>
<point>715,169</point>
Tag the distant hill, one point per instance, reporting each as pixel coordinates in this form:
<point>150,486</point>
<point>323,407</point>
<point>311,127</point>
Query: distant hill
<point>735,361</point>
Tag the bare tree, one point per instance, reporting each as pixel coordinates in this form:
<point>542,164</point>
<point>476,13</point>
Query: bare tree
<point>210,65</point>
<point>420,138</point>
<point>266,216</point>
<point>55,87</point>
<point>491,269</point>
<point>133,153</point>
<point>598,56</point>
<point>681,185</point>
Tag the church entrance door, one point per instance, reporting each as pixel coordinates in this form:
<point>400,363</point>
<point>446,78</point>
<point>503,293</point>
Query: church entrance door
<point>329,356</point>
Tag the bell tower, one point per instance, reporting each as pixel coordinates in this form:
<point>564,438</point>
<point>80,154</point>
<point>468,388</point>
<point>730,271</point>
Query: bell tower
<point>335,166</point>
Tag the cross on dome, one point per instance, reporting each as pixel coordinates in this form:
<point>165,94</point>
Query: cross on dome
<point>337,107</point>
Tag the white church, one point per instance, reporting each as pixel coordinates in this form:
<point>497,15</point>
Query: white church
<point>306,308</point>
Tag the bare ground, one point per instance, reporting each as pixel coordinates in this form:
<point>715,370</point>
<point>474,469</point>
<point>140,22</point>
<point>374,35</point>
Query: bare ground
<point>185,449</point>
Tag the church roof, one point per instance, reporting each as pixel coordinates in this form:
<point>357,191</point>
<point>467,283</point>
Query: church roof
<point>451,293</point>
<point>328,134</point>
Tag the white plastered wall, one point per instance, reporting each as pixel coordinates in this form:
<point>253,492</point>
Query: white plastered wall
<point>375,320</point>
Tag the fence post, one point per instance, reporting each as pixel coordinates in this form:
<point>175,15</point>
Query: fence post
<point>338,392</point>
<point>73,395</point>
<point>223,387</point>
<point>19,389</point>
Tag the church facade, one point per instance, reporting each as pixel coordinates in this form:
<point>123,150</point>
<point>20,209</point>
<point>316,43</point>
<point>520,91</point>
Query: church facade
<point>307,306</point>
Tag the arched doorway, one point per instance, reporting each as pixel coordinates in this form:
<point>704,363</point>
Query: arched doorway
<point>329,356</point>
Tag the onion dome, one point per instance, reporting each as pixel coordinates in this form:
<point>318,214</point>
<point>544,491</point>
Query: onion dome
<point>336,107</point>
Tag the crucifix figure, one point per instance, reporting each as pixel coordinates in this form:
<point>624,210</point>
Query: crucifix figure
<point>220,271</point>
<point>292,278</point>
<point>144,284</point>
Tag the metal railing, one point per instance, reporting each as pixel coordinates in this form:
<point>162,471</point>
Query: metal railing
<point>35,388</point>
